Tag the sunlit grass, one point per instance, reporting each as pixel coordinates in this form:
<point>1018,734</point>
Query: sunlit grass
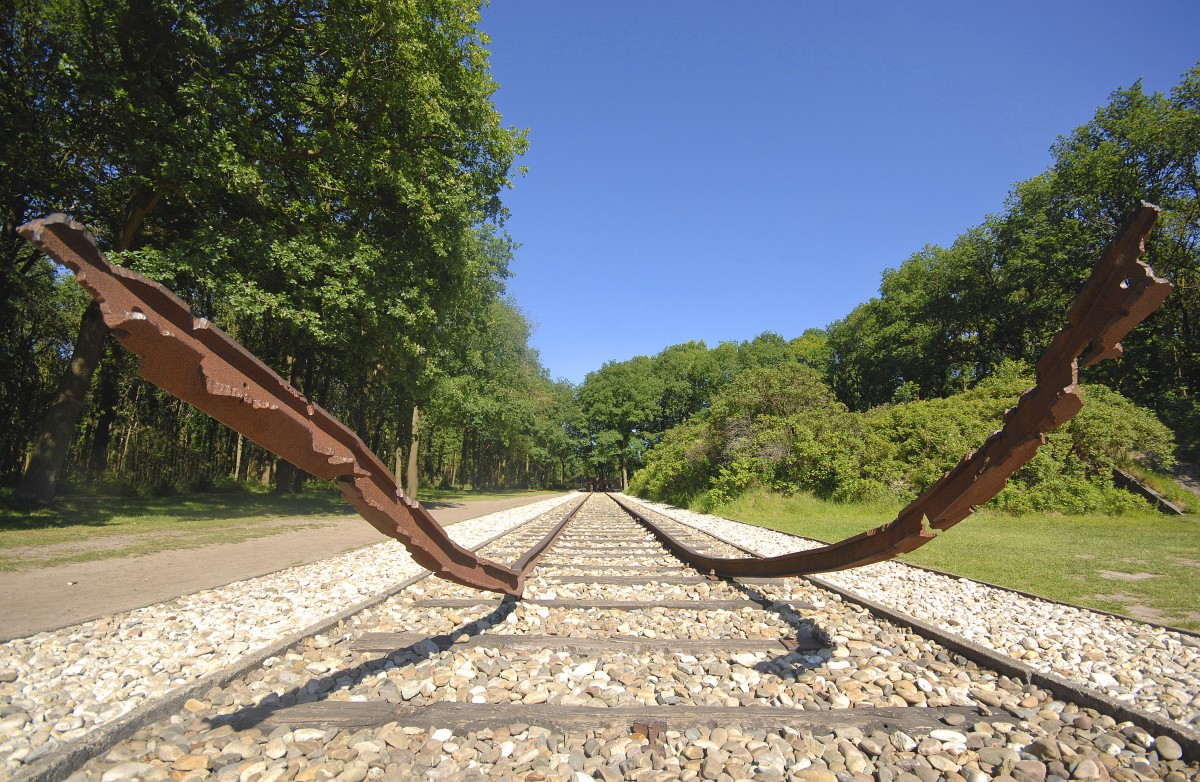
<point>86,528</point>
<point>1167,487</point>
<point>451,496</point>
<point>1145,565</point>
<point>80,529</point>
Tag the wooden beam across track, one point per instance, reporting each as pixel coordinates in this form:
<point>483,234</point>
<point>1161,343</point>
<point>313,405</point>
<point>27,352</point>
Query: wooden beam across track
<point>638,580</point>
<point>613,605</point>
<point>393,642</point>
<point>463,717</point>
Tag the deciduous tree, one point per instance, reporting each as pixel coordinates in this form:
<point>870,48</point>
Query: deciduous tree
<point>621,400</point>
<point>310,175</point>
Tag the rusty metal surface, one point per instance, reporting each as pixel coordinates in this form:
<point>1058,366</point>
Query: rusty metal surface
<point>1121,292</point>
<point>192,359</point>
<point>201,365</point>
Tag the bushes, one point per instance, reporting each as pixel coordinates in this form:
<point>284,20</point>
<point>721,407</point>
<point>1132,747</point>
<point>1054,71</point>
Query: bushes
<point>677,468</point>
<point>780,428</point>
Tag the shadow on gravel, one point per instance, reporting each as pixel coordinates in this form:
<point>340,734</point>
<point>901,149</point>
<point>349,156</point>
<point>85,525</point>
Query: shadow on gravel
<point>808,641</point>
<point>319,689</point>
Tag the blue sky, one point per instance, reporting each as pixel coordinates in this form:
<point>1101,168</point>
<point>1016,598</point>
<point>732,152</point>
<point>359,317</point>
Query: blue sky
<point>704,170</point>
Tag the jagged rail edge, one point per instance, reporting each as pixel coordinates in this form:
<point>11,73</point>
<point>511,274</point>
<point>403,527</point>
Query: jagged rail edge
<point>193,360</point>
<point>1120,293</point>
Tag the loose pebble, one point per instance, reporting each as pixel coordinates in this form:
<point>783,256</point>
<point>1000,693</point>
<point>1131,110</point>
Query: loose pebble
<point>992,727</point>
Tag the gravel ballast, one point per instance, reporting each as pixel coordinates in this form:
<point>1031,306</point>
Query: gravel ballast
<point>841,665</point>
<point>56,686</point>
<point>1153,668</point>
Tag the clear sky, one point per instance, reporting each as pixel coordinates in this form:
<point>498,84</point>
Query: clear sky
<point>705,170</point>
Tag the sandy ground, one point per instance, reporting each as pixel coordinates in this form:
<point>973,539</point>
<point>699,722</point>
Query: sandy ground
<point>48,598</point>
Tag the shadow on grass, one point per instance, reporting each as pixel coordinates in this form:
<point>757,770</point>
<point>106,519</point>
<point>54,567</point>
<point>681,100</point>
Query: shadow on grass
<point>440,504</point>
<point>100,511</point>
<point>104,510</point>
<point>441,497</point>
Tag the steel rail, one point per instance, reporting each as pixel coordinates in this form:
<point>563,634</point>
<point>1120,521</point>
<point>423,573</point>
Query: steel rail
<point>528,561</point>
<point>198,363</point>
<point>1120,293</point>
<point>70,756</point>
<point>195,361</point>
<point>1061,686</point>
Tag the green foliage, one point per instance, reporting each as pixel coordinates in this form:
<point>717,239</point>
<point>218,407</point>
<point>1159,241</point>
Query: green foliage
<point>689,374</point>
<point>922,374</point>
<point>678,467</point>
<point>39,311</point>
<point>780,428</point>
<point>620,402</point>
<point>322,180</point>
<point>948,316</point>
<point>493,418</point>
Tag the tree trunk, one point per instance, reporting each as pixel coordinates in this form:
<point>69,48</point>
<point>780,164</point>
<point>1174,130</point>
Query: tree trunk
<point>237,459</point>
<point>460,470</point>
<point>109,398</point>
<point>298,478</point>
<point>412,477</point>
<point>40,481</point>
<point>285,475</point>
<point>624,464</point>
<point>403,437</point>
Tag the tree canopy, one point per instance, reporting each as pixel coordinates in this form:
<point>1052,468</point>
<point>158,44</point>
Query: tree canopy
<point>324,181</point>
<point>317,178</point>
<point>946,317</point>
<point>910,380</point>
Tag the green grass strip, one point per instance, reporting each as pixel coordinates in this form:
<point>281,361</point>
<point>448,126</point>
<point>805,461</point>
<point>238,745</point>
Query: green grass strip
<point>1144,565</point>
<point>87,528</point>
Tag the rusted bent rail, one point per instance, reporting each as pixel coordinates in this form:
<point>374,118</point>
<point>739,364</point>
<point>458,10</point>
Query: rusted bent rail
<point>193,360</point>
<point>190,358</point>
<point>1120,293</point>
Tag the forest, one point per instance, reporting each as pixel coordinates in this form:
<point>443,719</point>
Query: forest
<point>325,182</point>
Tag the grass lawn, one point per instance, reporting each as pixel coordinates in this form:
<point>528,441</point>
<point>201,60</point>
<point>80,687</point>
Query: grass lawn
<point>435,497</point>
<point>84,528</point>
<point>79,529</point>
<point>1142,565</point>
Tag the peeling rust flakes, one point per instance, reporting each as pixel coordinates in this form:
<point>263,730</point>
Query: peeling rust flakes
<point>195,361</point>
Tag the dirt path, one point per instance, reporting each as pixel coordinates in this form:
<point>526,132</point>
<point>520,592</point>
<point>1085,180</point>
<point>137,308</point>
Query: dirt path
<point>51,597</point>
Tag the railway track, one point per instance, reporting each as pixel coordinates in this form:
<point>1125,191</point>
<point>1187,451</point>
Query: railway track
<point>622,662</point>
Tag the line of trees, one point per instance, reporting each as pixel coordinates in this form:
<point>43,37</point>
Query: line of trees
<point>320,178</point>
<point>780,427</point>
<point>884,400</point>
<point>948,316</point>
<point>323,180</point>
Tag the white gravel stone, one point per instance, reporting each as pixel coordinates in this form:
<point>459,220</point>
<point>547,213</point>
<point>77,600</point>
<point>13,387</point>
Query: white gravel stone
<point>100,670</point>
<point>858,661</point>
<point>1156,669</point>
